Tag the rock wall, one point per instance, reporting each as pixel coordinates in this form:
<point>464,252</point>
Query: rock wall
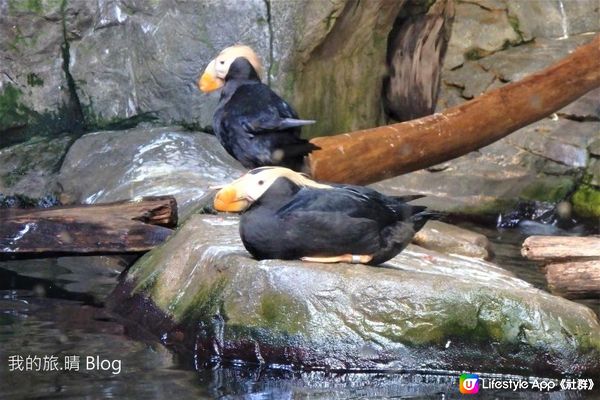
<point>105,62</point>
<point>495,42</point>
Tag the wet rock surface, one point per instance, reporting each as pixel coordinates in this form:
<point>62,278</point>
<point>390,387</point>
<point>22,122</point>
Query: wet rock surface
<point>421,311</point>
<point>115,165</point>
<point>451,239</point>
<point>31,167</point>
<point>545,161</point>
<point>105,62</point>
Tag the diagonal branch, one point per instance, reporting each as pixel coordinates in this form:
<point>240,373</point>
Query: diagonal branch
<point>371,155</point>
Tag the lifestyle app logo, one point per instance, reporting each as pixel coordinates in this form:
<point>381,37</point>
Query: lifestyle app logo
<point>468,383</point>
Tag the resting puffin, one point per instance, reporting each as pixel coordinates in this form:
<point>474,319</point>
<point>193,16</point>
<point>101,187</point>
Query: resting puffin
<point>286,215</point>
<point>254,125</point>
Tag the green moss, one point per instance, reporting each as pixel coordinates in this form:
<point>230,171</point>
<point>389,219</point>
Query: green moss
<point>15,175</point>
<point>13,112</point>
<point>280,312</point>
<point>515,24</point>
<point>34,80</point>
<point>34,6</point>
<point>586,201</point>
<point>206,302</point>
<point>487,208</point>
<point>549,189</point>
<point>96,122</point>
<point>475,54</point>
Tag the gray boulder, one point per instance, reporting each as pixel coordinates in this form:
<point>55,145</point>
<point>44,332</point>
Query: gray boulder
<point>451,239</point>
<point>34,88</point>
<point>543,161</point>
<point>123,59</point>
<point>31,167</point>
<point>137,57</point>
<point>421,311</point>
<point>116,165</point>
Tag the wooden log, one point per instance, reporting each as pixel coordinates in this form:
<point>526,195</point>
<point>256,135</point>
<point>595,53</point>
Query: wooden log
<point>546,248</point>
<point>110,228</point>
<point>574,279</point>
<point>371,155</point>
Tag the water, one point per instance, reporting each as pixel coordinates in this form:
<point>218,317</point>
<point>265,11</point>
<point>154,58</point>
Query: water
<point>54,308</point>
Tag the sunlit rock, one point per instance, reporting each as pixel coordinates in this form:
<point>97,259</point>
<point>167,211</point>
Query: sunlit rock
<point>115,165</point>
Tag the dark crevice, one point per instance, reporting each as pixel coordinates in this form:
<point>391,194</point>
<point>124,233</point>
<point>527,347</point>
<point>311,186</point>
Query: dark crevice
<point>482,6</point>
<point>419,36</point>
<point>579,118</point>
<point>73,107</point>
<point>270,27</point>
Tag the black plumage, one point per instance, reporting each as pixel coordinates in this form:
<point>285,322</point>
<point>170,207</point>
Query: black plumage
<point>255,125</point>
<point>290,221</point>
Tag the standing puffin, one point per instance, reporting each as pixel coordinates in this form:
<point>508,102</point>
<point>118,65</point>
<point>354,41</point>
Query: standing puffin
<point>254,125</point>
<point>289,216</point>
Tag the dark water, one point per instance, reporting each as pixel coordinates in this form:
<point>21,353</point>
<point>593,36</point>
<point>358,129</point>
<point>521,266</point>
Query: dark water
<point>50,310</point>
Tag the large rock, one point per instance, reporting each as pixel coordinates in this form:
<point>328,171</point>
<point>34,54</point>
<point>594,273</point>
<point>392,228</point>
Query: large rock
<point>478,30</point>
<point>495,42</point>
<point>115,165</point>
<point>137,57</point>
<point>421,311</point>
<point>544,161</point>
<point>123,59</point>
<point>561,18</point>
<point>31,167</point>
<point>333,65</point>
<point>34,87</point>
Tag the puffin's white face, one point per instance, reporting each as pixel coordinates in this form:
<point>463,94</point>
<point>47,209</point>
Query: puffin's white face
<point>239,194</point>
<point>214,75</point>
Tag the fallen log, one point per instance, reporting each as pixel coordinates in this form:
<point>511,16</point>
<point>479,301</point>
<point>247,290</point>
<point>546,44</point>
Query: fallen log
<point>547,248</point>
<point>111,228</point>
<point>574,279</point>
<point>371,155</point>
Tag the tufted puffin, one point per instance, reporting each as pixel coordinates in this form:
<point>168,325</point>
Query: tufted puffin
<point>286,215</point>
<point>254,125</point>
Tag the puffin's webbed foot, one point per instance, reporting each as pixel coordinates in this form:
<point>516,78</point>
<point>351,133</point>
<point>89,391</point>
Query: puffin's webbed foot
<point>345,258</point>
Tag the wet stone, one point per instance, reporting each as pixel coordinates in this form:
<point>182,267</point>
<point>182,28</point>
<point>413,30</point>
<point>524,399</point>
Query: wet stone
<point>109,166</point>
<point>30,168</point>
<point>450,239</point>
<point>422,310</point>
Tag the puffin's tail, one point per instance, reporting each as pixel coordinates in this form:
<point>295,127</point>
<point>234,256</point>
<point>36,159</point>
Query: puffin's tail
<point>422,216</point>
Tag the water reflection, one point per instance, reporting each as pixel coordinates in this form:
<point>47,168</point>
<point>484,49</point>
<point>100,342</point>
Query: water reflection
<point>55,307</point>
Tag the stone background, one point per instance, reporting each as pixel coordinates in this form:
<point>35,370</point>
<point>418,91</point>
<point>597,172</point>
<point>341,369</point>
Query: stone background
<point>70,66</point>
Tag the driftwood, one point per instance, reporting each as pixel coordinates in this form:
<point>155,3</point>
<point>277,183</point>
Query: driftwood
<point>112,228</point>
<point>546,248</point>
<point>374,154</point>
<point>572,264</point>
<point>574,279</point>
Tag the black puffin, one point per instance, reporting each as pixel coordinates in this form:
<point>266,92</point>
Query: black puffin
<point>254,125</point>
<point>286,215</point>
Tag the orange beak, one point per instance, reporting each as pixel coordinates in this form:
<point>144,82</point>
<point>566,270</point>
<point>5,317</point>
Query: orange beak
<point>227,199</point>
<point>209,81</point>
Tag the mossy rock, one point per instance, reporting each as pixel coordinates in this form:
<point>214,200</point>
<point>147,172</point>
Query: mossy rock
<point>586,201</point>
<point>423,310</point>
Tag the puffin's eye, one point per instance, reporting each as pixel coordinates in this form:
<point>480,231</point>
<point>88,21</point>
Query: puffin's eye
<point>261,182</point>
<point>222,62</point>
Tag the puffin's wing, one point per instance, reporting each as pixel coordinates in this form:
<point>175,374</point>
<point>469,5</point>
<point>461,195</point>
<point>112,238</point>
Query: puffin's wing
<point>334,232</point>
<point>269,121</point>
<point>349,202</point>
<point>260,110</point>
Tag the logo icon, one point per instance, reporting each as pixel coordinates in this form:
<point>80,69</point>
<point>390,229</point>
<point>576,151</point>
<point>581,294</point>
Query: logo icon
<point>468,383</point>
